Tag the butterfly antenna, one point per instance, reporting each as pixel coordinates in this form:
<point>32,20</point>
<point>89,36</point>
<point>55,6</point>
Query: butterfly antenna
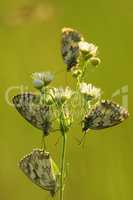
<point>82,139</point>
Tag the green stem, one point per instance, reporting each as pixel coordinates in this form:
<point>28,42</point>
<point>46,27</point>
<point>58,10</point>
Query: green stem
<point>62,168</point>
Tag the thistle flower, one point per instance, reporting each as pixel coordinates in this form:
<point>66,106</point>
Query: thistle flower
<point>61,95</point>
<point>41,79</point>
<point>89,48</point>
<point>90,91</point>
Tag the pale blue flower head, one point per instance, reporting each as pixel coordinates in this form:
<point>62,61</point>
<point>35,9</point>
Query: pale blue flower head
<point>41,79</point>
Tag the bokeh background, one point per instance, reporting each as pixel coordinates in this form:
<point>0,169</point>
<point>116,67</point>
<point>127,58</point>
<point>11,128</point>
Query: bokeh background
<point>29,42</point>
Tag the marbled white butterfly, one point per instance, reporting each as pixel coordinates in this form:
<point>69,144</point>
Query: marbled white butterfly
<point>104,115</point>
<point>39,167</point>
<point>37,114</point>
<point>69,47</point>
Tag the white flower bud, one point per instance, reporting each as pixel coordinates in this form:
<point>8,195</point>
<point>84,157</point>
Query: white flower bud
<point>95,61</point>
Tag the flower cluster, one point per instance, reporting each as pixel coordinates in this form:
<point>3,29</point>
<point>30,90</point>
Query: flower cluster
<point>88,53</point>
<point>38,109</point>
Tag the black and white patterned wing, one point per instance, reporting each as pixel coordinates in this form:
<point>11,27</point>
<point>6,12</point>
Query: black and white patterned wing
<point>28,106</point>
<point>70,47</point>
<point>37,166</point>
<point>104,115</point>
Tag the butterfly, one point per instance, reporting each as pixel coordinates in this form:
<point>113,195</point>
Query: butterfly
<point>39,167</point>
<point>37,114</point>
<point>69,46</point>
<point>104,115</point>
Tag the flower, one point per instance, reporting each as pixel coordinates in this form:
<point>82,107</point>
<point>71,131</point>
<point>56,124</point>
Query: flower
<point>86,47</point>
<point>41,79</point>
<point>90,91</point>
<point>61,95</point>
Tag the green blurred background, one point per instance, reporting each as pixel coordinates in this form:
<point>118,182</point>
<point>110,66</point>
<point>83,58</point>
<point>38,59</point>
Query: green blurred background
<point>29,42</point>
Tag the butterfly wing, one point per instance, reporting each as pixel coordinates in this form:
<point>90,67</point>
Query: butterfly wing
<point>104,115</point>
<point>37,166</point>
<point>69,47</point>
<point>28,106</point>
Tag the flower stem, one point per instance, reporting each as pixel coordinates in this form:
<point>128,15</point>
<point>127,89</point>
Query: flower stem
<point>63,152</point>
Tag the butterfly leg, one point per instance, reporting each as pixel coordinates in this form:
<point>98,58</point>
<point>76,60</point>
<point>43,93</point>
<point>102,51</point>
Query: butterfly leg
<point>43,142</point>
<point>57,142</point>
